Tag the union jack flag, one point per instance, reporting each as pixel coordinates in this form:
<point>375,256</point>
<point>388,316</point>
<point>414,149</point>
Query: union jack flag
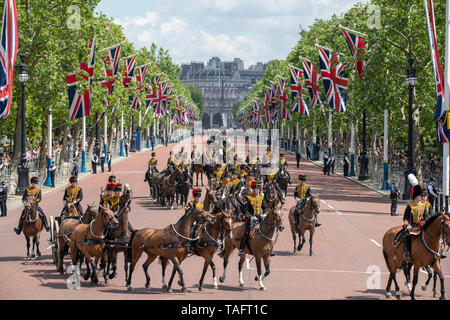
<point>140,76</point>
<point>158,104</point>
<point>134,102</point>
<point>158,78</point>
<point>266,107</point>
<point>8,54</point>
<point>275,94</point>
<point>111,67</point>
<point>442,116</point>
<point>285,113</point>
<point>128,75</point>
<point>149,96</point>
<point>80,105</point>
<point>334,79</point>
<point>282,91</point>
<point>167,99</point>
<point>312,82</point>
<point>357,46</point>
<point>298,104</point>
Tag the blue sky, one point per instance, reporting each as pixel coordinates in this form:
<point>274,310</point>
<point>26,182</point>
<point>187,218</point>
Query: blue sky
<point>196,30</point>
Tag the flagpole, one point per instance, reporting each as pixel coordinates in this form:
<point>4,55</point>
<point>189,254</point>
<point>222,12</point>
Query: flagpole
<point>122,154</point>
<point>105,118</point>
<point>352,151</point>
<point>83,147</point>
<point>48,181</point>
<point>116,45</point>
<point>319,46</point>
<point>330,123</point>
<point>353,31</point>
<point>445,157</point>
<point>385,185</point>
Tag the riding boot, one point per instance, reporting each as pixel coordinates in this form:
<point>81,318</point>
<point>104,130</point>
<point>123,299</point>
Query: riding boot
<point>280,193</point>
<point>407,247</point>
<point>44,221</point>
<point>317,222</point>
<point>241,246</point>
<point>130,227</point>
<point>18,230</point>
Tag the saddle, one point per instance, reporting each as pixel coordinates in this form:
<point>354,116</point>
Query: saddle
<point>400,235</point>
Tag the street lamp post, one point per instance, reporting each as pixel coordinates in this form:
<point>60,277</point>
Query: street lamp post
<point>364,159</point>
<point>22,169</point>
<point>133,136</point>
<point>97,146</point>
<point>411,81</point>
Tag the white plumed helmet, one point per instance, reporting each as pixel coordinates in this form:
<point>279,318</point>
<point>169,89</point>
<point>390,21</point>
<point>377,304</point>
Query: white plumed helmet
<point>413,180</point>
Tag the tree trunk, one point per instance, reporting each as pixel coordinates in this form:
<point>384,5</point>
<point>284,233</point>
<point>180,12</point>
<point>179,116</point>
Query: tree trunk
<point>76,134</point>
<point>44,146</point>
<point>64,144</point>
<point>110,133</point>
<point>418,145</point>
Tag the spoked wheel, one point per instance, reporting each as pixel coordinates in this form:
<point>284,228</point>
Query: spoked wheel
<point>54,229</point>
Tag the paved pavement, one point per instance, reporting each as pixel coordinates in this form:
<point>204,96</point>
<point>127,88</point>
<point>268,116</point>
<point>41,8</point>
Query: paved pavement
<point>347,247</point>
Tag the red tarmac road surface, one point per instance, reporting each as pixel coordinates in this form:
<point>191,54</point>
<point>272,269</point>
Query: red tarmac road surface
<point>346,246</point>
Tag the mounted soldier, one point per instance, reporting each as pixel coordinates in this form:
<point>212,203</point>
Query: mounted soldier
<point>416,213</point>
<point>282,164</point>
<point>108,193</point>
<point>253,207</point>
<point>33,193</point>
<point>153,162</point>
<point>302,194</point>
<point>170,162</point>
<point>194,204</point>
<point>73,193</point>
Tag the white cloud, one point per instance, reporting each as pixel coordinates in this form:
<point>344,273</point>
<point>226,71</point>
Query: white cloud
<point>174,26</point>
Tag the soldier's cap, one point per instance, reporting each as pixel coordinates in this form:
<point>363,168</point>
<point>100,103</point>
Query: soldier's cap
<point>34,180</point>
<point>112,179</point>
<point>118,187</point>
<point>196,192</point>
<point>417,191</point>
<point>431,179</point>
<point>302,177</point>
<point>73,179</point>
<point>153,154</point>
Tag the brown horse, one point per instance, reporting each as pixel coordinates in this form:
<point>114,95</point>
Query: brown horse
<point>271,196</point>
<point>210,199</point>
<point>197,168</point>
<point>89,239</point>
<point>118,238</point>
<point>283,180</point>
<point>424,252</point>
<point>306,222</point>
<point>207,245</point>
<point>68,223</point>
<point>148,177</point>
<point>32,227</point>
<point>169,188</point>
<point>260,245</point>
<point>169,243</point>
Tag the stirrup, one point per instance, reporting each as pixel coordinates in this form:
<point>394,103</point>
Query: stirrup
<point>241,252</point>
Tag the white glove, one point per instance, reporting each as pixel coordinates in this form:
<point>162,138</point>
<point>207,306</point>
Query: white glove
<point>297,199</point>
<point>409,227</point>
<point>75,202</point>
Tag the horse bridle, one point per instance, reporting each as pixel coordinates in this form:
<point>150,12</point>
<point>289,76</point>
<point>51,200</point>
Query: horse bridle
<point>275,225</point>
<point>29,207</point>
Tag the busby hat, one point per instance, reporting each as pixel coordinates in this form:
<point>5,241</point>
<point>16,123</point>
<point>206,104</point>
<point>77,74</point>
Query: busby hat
<point>112,179</point>
<point>153,154</point>
<point>197,192</point>
<point>302,177</point>
<point>73,179</point>
<point>34,180</point>
<point>417,191</point>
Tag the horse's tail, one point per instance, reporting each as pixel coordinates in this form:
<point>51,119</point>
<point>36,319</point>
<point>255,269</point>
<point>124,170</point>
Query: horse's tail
<point>386,260</point>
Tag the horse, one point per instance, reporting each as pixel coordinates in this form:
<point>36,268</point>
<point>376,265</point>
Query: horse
<point>270,195</point>
<point>68,223</point>
<point>283,179</point>
<point>118,238</point>
<point>70,210</point>
<point>207,245</point>
<point>169,186</point>
<point>260,245</point>
<point>148,177</point>
<point>198,168</point>
<point>306,221</point>
<point>156,180</point>
<point>169,243</point>
<point>424,252</point>
<point>182,189</point>
<point>210,199</point>
<point>89,239</point>
<point>32,227</point>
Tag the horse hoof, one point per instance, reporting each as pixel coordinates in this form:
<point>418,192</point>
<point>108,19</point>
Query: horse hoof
<point>399,297</point>
<point>442,298</point>
<point>424,288</point>
<point>169,290</point>
<point>311,254</point>
<point>200,289</point>
<point>215,286</point>
<point>111,276</point>
<point>434,295</point>
<point>262,289</point>
<point>389,295</point>
<point>86,276</point>
<point>241,285</point>
<point>184,290</point>
<point>33,256</point>
<point>39,254</point>
<point>164,287</point>
<point>221,279</point>
<point>130,288</point>
<point>256,278</point>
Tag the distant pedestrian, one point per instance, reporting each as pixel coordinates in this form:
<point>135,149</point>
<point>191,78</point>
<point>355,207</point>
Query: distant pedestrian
<point>308,152</point>
<point>332,164</point>
<point>75,170</point>
<point>3,198</point>
<point>125,142</point>
<point>53,172</point>
<point>108,158</point>
<point>345,164</point>
<point>298,157</point>
<point>432,194</point>
<point>94,161</point>
<point>325,162</point>
<point>102,161</point>
<point>394,197</point>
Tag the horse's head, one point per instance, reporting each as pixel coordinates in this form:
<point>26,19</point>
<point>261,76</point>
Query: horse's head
<point>211,196</point>
<point>109,220</point>
<point>315,203</point>
<point>90,214</point>
<point>277,221</point>
<point>202,216</point>
<point>446,228</point>
<point>225,221</point>
<point>127,194</point>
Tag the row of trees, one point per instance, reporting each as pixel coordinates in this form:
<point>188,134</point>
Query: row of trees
<point>54,36</point>
<point>396,31</point>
